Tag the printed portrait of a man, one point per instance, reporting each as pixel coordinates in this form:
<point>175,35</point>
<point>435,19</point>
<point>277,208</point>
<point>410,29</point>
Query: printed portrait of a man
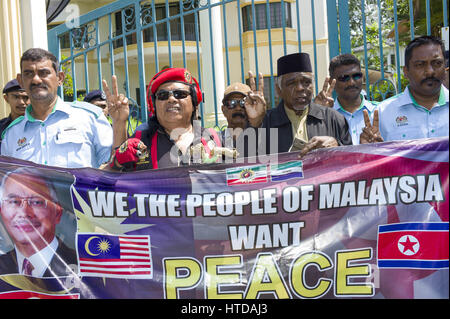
<point>31,209</point>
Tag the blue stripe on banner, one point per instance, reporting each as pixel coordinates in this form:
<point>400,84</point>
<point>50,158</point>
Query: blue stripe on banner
<point>413,226</point>
<point>424,264</point>
<point>283,177</point>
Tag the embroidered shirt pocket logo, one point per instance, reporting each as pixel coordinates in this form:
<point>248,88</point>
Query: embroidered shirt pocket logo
<point>401,120</point>
<point>22,143</point>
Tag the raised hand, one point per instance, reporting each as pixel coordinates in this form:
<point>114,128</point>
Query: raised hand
<point>118,110</point>
<point>325,96</point>
<point>371,132</point>
<point>117,104</point>
<point>255,105</point>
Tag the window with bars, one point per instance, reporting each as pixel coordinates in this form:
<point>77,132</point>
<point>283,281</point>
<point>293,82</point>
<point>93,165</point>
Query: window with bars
<point>261,21</point>
<point>162,29</point>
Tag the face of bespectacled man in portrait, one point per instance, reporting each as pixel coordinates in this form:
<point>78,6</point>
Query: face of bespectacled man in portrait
<point>296,90</point>
<point>28,212</point>
<point>40,80</point>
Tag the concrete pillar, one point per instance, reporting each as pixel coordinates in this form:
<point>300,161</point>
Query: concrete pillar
<point>34,24</point>
<point>10,46</point>
<point>213,94</point>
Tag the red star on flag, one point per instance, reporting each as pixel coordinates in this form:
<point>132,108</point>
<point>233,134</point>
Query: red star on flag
<point>408,245</point>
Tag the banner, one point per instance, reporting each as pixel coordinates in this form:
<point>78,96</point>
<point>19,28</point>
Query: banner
<point>366,221</point>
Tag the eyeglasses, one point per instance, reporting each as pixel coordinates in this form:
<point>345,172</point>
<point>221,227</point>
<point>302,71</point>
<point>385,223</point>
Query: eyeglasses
<point>178,94</point>
<point>231,104</point>
<point>346,77</point>
<point>16,202</point>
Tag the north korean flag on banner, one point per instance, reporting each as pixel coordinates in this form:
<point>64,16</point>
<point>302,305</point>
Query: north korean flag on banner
<point>413,245</point>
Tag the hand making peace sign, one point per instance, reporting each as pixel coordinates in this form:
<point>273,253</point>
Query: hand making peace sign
<point>325,97</point>
<point>255,105</point>
<point>371,132</point>
<point>117,104</point>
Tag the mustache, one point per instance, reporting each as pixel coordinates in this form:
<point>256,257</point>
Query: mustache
<point>238,114</point>
<point>431,78</point>
<point>42,86</point>
<point>26,221</point>
<point>351,87</point>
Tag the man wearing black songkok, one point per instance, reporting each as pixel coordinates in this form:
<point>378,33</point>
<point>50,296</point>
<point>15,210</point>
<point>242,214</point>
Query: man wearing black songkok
<point>301,124</point>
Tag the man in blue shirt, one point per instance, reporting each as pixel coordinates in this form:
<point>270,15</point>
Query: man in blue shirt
<point>345,69</point>
<point>421,110</point>
<point>56,133</point>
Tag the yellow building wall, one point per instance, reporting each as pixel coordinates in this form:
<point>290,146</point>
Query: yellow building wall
<point>232,49</point>
<point>10,46</point>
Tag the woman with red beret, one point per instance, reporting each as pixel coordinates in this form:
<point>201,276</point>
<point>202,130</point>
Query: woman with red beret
<point>171,137</point>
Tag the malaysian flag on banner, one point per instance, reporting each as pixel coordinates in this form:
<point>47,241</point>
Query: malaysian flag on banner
<point>413,245</point>
<point>115,256</point>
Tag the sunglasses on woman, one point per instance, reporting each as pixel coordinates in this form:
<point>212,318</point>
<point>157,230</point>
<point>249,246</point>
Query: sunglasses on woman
<point>178,94</point>
<point>346,77</point>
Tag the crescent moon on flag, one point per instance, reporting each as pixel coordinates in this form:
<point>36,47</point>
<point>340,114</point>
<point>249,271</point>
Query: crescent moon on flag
<point>86,246</point>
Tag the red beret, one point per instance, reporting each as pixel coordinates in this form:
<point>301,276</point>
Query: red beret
<point>172,75</point>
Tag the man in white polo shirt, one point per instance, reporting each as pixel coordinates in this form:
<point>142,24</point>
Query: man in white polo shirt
<point>421,110</point>
<point>53,132</point>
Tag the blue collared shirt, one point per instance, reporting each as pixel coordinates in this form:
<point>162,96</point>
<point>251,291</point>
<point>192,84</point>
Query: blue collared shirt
<point>72,136</point>
<point>401,118</point>
<point>356,119</point>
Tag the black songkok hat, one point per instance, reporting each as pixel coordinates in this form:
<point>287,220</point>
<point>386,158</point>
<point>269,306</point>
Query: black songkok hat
<point>296,62</point>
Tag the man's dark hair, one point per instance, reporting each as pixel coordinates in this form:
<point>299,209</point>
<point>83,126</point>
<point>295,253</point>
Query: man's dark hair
<point>37,54</point>
<point>343,59</point>
<point>417,42</point>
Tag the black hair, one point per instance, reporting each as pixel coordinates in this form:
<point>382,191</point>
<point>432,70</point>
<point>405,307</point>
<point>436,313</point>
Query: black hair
<point>343,59</point>
<point>38,54</point>
<point>417,42</point>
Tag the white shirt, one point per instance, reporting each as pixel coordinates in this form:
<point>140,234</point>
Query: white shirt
<point>40,260</point>
<point>401,118</point>
<point>72,136</point>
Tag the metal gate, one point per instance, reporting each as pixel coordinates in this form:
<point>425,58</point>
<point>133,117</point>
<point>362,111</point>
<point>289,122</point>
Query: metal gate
<point>219,41</point>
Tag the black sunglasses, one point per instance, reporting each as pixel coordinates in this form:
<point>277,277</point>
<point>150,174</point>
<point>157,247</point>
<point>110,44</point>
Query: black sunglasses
<point>231,104</point>
<point>178,94</point>
<point>346,78</point>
